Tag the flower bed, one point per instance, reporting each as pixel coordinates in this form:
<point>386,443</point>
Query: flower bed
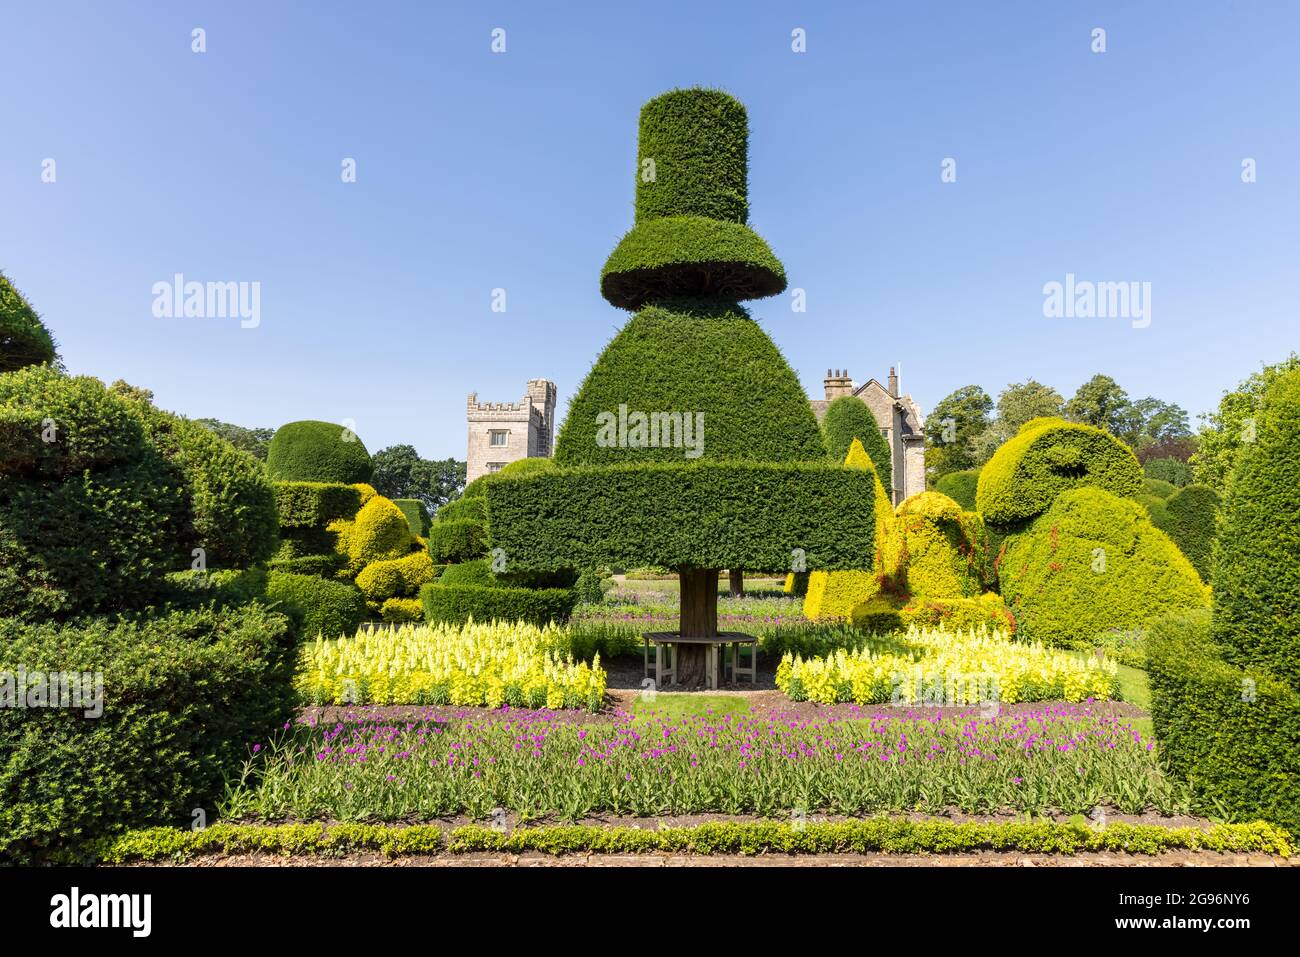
<point>1062,758</point>
<point>933,666</point>
<point>473,664</point>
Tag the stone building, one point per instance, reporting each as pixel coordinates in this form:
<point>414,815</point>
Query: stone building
<point>900,421</point>
<point>503,432</point>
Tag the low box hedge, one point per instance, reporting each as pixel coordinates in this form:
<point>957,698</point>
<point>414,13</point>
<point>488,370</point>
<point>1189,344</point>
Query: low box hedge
<point>456,604</point>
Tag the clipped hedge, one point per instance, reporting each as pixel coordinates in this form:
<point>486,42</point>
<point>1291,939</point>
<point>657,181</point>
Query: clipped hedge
<point>952,614</point>
<point>1257,566</point>
<point>1094,563</point>
<point>848,419</point>
<point>960,486</point>
<point>473,508</point>
<point>456,604</point>
<point>416,516</point>
<point>945,547</point>
<point>709,359</point>
<point>1047,457</point>
<point>307,504</point>
<point>475,572</point>
<point>452,541</point>
<point>316,605</point>
<point>324,566</point>
<point>401,610</point>
<point>1189,517</point>
<point>395,577</point>
<point>311,451</point>
<point>184,696</point>
<point>705,515</point>
<point>1158,487</point>
<point>24,340</point>
<point>1233,733</point>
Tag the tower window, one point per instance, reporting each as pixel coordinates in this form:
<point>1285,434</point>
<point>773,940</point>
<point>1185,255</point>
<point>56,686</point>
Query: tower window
<point>498,438</point>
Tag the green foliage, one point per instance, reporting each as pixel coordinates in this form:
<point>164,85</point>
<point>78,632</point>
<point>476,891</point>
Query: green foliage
<point>472,507</point>
<point>308,504</point>
<point>400,473</point>
<point>1257,564</point>
<point>379,532</point>
<point>1232,426</point>
<point>1171,471</point>
<point>456,540</point>
<point>697,360</point>
<point>416,517</point>
<point>316,605</point>
<point>1101,403</point>
<point>705,515</point>
<point>395,577</point>
<point>527,466</point>
<point>24,340</point>
<point>960,487</point>
<point>590,587</point>
<point>223,587</point>
<point>323,565</point>
<point>849,418</point>
<point>312,451</point>
<point>184,694</point>
<point>1233,732</point>
<point>456,604</point>
<point>474,572</point>
<point>1094,563</point>
<point>1046,458</point>
<point>987,611</point>
<point>255,442</point>
<point>944,547</point>
<point>951,428</point>
<point>1189,517</point>
<point>1158,487</point>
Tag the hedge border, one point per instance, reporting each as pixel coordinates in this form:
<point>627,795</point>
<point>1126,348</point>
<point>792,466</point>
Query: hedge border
<point>872,835</point>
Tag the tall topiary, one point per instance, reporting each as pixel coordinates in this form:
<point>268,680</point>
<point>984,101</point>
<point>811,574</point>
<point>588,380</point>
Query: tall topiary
<point>1049,456</point>
<point>1190,517</point>
<point>24,340</point>
<point>310,451</point>
<point>849,418</point>
<point>1257,565</point>
<point>691,443</point>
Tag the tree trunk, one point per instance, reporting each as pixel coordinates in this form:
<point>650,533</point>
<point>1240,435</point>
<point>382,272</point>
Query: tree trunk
<point>737,580</point>
<point>699,619</point>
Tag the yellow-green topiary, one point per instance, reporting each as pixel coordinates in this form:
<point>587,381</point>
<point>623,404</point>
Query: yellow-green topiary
<point>1094,563</point>
<point>1047,457</point>
<point>833,594</point>
<point>944,547</point>
<point>395,577</point>
<point>953,614</point>
<point>379,532</point>
<point>400,610</point>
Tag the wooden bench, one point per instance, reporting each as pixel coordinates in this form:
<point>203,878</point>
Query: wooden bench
<point>666,642</point>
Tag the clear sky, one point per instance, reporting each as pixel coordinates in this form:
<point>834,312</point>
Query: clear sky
<point>478,171</point>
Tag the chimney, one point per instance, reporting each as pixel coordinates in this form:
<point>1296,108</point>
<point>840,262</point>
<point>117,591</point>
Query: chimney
<point>893,382</point>
<point>837,384</point>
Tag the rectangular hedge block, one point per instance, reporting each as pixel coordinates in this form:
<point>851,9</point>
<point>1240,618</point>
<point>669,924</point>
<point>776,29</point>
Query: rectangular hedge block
<point>308,504</point>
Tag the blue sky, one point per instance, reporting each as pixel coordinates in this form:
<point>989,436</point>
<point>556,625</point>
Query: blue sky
<point>478,171</point>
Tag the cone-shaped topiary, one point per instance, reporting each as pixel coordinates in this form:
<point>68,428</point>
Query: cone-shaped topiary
<point>1257,565</point>
<point>848,418</point>
<point>1094,563</point>
<point>1047,457</point>
<point>690,444</point>
<point>310,451</point>
<point>24,340</point>
<point>1189,517</point>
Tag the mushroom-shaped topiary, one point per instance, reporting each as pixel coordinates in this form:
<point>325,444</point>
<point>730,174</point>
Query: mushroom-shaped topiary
<point>1047,457</point>
<point>24,340</point>
<point>691,443</point>
<point>310,451</point>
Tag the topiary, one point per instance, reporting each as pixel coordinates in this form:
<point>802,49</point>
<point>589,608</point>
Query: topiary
<point>379,532</point>
<point>960,486</point>
<point>311,451</point>
<point>457,540</point>
<point>953,614</point>
<point>395,577</point>
<point>1094,563</point>
<point>526,466</point>
<point>1257,562</point>
<point>24,340</point>
<point>416,517</point>
<point>1174,471</point>
<point>848,418</point>
<point>474,572</point>
<point>402,610</point>
<point>313,504</point>
<point>1049,456</point>
<point>589,587</point>
<point>474,508</point>
<point>1189,517</point>
<point>457,604</point>
<point>1158,487</point>
<point>943,545</point>
<point>318,607</point>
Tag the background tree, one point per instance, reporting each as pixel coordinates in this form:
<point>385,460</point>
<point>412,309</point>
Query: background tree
<point>253,441</point>
<point>1017,404</point>
<point>1226,431</point>
<point>950,430</point>
<point>401,473</point>
<point>1100,402</point>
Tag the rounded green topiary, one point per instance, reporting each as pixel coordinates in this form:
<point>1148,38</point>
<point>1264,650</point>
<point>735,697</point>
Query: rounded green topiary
<point>698,364</point>
<point>691,237</point>
<point>24,340</point>
<point>943,547</point>
<point>318,607</point>
<point>378,533</point>
<point>1094,563</point>
<point>415,514</point>
<point>471,507</point>
<point>1158,487</point>
<point>310,451</point>
<point>1257,564</point>
<point>456,540</point>
<point>849,418</point>
<point>1047,457</point>
<point>1189,517</point>
<point>528,466</point>
<point>474,572</point>
<point>960,486</point>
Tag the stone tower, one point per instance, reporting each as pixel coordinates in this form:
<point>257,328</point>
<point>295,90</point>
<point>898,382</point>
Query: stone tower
<point>504,432</point>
